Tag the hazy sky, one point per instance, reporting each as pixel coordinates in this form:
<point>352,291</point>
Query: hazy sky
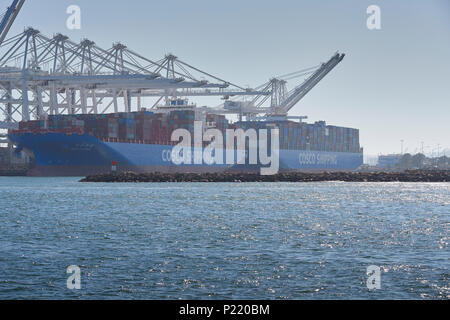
<point>393,84</point>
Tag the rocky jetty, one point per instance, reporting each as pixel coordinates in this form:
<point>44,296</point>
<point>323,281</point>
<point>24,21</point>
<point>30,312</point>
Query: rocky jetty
<point>405,176</point>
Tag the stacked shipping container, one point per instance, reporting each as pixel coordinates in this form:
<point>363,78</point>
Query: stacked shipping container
<point>156,128</point>
<point>54,123</point>
<point>305,136</point>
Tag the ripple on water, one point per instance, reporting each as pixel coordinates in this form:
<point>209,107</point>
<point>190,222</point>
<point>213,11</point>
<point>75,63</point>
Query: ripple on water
<point>223,240</point>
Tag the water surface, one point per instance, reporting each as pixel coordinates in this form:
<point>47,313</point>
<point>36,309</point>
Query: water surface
<point>223,240</point>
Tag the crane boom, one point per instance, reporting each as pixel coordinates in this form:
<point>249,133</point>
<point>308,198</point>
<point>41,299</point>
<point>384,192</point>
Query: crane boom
<point>311,82</point>
<point>9,17</point>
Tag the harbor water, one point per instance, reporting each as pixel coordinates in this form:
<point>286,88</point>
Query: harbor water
<point>223,240</point>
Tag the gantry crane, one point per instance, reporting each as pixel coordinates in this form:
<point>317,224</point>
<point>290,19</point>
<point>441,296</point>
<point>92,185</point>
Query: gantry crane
<point>282,100</point>
<point>299,92</point>
<point>9,17</point>
<point>42,75</point>
<point>5,24</point>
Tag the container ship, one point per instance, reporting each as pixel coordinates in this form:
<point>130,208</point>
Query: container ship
<point>79,145</point>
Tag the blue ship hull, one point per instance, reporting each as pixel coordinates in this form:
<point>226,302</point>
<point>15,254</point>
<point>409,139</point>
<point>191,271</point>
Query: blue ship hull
<point>58,154</point>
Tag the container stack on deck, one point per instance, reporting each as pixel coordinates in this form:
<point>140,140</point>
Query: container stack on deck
<point>3,155</point>
<point>217,121</point>
<point>54,123</point>
<point>181,119</point>
<point>144,126</point>
<point>156,128</point>
<point>306,136</point>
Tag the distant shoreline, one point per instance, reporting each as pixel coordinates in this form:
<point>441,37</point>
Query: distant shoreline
<point>406,176</point>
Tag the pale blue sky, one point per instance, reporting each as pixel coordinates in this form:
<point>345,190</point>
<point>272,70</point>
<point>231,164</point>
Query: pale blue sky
<point>393,84</point>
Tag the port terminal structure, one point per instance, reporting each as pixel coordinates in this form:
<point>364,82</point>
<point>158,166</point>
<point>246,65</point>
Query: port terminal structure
<point>41,76</point>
